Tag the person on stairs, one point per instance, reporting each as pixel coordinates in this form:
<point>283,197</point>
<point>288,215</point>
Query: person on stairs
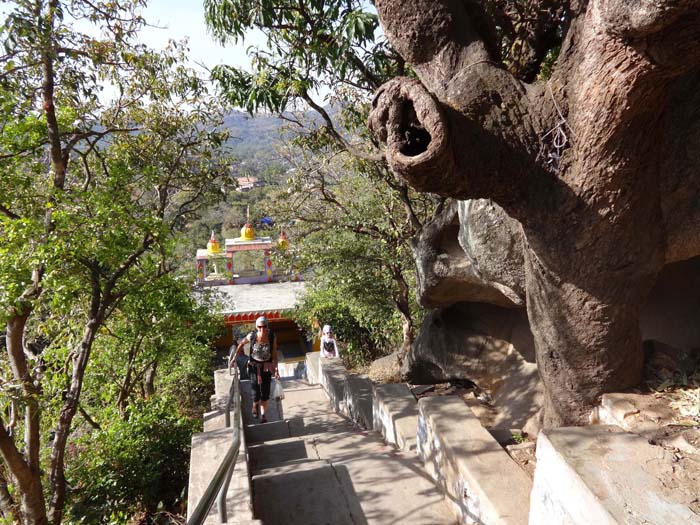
<point>329,347</point>
<point>262,364</point>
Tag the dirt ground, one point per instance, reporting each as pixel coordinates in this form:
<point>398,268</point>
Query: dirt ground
<point>667,414</point>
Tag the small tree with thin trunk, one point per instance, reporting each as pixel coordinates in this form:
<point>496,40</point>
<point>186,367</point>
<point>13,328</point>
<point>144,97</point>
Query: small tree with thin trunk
<point>354,235</point>
<point>91,195</point>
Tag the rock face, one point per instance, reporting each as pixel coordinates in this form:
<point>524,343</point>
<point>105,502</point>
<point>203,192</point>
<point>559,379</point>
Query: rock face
<point>468,341</point>
<point>671,314</point>
<point>471,275</point>
<point>471,272</point>
<point>470,252</point>
<point>445,274</point>
<point>489,345</point>
<point>493,243</point>
<point>386,369</point>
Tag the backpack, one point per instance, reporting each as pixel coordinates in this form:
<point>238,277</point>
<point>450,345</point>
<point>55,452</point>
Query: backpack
<point>261,353</point>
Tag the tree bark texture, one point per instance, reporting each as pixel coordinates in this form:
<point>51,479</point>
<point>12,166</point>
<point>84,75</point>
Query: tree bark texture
<point>403,305</point>
<point>590,162</point>
<point>24,463</point>
<point>149,381</point>
<point>8,508</point>
<point>57,473</point>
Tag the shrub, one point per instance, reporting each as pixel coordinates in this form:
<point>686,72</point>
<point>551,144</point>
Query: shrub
<point>137,465</point>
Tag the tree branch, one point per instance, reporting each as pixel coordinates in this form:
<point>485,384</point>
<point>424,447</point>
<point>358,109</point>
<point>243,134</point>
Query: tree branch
<point>447,51</point>
<point>12,457</point>
<point>337,136</point>
<point>54,137</point>
<point>6,211</point>
<point>8,507</point>
<point>28,480</point>
<point>77,136</point>
<point>88,419</point>
<point>644,17</point>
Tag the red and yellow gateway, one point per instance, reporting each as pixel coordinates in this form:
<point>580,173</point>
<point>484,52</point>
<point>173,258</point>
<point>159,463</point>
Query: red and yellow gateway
<point>245,260</point>
<point>246,291</point>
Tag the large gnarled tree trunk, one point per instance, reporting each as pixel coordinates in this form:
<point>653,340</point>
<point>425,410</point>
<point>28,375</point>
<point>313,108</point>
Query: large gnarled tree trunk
<point>581,160</point>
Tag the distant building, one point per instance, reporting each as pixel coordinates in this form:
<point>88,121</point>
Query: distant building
<point>248,183</point>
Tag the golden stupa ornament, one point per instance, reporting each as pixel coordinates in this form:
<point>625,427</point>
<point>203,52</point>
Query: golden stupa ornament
<point>282,242</point>
<point>247,232</point>
<point>213,245</point>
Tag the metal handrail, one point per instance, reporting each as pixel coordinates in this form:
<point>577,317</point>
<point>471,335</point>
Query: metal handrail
<point>220,482</point>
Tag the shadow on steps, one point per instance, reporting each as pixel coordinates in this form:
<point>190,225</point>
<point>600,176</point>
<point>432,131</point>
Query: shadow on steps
<point>308,493</point>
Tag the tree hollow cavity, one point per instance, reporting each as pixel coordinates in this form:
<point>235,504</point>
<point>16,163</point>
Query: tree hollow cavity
<point>415,138</point>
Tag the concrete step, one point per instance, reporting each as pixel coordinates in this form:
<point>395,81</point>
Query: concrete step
<point>314,423</point>
<point>291,368</point>
<point>395,415</point>
<point>295,384</point>
<point>318,423</point>
<point>374,483</point>
<point>601,474</point>
<point>260,433</point>
<point>215,420</point>
<point>308,493</point>
<point>222,383</point>
<point>310,465</point>
<point>335,466</point>
<point>298,403</point>
<point>272,469</point>
<point>303,400</point>
<point>274,453</point>
<point>358,400</point>
<point>332,378</point>
<point>391,485</point>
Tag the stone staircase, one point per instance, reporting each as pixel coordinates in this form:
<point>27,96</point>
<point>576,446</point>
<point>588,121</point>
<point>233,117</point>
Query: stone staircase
<point>308,465</point>
<point>427,461</point>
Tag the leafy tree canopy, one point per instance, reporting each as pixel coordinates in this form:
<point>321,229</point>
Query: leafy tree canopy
<point>310,45</point>
<point>95,189</point>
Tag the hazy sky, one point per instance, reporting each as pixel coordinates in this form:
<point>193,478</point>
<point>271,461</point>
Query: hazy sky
<point>185,18</point>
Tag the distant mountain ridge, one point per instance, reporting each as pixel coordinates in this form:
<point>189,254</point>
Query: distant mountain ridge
<point>258,130</point>
<point>255,140</point>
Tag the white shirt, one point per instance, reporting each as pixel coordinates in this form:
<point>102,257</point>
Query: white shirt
<point>330,340</point>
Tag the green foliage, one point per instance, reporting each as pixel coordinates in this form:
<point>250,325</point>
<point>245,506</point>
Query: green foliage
<point>350,219</point>
<point>548,63</point>
<point>137,462</point>
<point>517,437</point>
<point>309,44</point>
<point>326,305</point>
<point>527,35</point>
<point>156,343</point>
<point>95,190</point>
<point>353,234</point>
